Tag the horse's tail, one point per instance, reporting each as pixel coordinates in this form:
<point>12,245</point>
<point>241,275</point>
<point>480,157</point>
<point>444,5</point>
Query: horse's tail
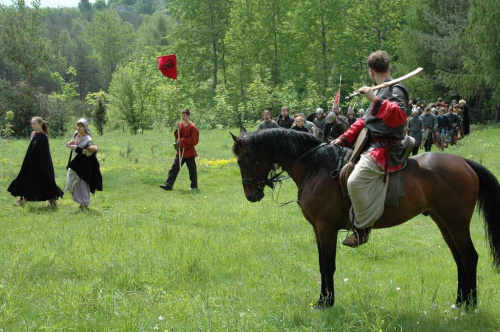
<point>489,206</point>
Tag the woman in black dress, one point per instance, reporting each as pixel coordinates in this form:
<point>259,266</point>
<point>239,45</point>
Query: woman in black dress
<point>36,180</point>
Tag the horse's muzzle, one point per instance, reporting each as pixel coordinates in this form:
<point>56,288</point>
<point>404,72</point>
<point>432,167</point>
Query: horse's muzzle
<point>255,196</point>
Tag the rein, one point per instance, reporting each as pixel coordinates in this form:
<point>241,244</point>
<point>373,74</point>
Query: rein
<point>274,179</point>
<point>270,182</point>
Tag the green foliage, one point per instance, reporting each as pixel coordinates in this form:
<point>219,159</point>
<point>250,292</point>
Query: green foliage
<point>142,259</point>
<point>110,40</point>
<point>122,98</point>
<point>21,36</point>
<point>224,114</point>
<point>156,31</point>
<point>301,48</point>
<point>68,90</point>
<point>24,102</point>
<point>5,125</point>
<point>99,102</point>
<point>85,8</point>
<point>259,96</point>
<point>286,95</point>
<point>204,24</point>
<point>141,96</point>
<point>480,46</point>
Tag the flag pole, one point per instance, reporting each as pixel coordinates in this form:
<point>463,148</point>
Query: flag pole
<point>340,86</point>
<point>336,99</point>
<point>167,64</point>
<point>181,152</point>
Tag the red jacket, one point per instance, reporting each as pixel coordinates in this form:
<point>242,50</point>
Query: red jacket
<point>392,116</point>
<point>189,138</point>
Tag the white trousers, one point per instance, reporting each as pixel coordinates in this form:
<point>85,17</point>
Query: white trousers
<point>367,191</point>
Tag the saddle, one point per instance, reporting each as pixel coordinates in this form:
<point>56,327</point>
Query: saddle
<point>395,188</point>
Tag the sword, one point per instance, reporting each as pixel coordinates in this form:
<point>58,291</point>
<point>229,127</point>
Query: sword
<point>386,84</point>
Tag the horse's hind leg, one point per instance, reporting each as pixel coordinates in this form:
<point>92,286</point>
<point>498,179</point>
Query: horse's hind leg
<point>460,243</point>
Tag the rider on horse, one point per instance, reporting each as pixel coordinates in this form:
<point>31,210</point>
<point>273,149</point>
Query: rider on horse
<point>385,119</point>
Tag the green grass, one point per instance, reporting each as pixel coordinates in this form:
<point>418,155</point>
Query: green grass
<point>143,259</point>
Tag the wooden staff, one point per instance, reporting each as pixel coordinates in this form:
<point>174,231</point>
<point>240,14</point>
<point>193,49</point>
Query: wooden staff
<point>386,84</point>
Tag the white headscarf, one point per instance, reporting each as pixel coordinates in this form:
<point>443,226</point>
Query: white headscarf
<point>85,125</point>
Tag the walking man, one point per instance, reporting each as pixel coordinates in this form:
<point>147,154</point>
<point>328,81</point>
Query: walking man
<point>186,137</point>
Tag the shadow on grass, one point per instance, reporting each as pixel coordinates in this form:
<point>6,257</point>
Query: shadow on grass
<point>41,209</point>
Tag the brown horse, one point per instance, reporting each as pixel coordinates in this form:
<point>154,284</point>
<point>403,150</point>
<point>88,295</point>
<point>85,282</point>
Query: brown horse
<point>427,177</point>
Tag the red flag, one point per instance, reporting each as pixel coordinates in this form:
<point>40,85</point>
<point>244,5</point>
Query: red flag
<point>167,64</point>
<point>337,98</point>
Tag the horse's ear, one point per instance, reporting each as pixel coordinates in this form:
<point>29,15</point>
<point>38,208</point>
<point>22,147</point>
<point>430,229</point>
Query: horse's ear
<point>234,137</point>
<point>242,130</point>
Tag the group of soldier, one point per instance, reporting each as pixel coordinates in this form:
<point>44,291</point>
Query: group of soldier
<point>438,123</point>
<point>325,127</point>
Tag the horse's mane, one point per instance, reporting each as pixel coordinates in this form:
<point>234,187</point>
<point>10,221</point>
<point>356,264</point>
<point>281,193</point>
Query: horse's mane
<point>276,144</point>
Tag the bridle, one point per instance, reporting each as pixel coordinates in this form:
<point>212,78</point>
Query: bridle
<point>271,181</point>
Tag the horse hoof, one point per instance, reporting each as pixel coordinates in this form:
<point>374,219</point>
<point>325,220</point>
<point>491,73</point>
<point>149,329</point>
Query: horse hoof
<point>322,304</point>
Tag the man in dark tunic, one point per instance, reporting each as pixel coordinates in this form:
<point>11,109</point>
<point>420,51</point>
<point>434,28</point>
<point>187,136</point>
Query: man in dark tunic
<point>284,120</point>
<point>385,119</point>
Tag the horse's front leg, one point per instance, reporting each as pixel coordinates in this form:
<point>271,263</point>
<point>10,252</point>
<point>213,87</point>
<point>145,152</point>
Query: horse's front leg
<point>326,241</point>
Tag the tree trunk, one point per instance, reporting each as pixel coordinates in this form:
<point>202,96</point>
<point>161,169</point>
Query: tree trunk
<point>26,75</point>
<point>214,49</point>
<point>224,63</point>
<point>275,32</point>
<point>323,44</point>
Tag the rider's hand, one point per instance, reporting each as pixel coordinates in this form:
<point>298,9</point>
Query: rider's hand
<point>368,92</point>
<point>338,142</point>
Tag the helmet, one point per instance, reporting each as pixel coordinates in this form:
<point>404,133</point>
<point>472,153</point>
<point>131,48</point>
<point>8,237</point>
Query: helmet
<point>414,113</point>
<point>331,117</point>
<point>319,111</point>
<point>350,110</point>
<point>361,112</point>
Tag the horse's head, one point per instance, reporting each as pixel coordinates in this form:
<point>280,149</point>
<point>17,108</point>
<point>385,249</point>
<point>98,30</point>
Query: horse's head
<point>254,171</point>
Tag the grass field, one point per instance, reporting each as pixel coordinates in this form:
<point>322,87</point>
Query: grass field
<point>143,259</point>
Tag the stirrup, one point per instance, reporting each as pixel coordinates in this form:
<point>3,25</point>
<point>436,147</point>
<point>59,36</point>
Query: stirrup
<point>358,237</point>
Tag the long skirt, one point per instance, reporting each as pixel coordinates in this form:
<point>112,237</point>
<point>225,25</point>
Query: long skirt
<point>78,188</point>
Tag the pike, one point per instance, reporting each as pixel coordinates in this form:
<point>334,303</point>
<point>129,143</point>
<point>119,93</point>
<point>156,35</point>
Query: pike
<point>386,84</point>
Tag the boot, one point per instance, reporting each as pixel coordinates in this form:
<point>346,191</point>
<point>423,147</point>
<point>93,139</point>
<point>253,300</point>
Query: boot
<point>358,237</point>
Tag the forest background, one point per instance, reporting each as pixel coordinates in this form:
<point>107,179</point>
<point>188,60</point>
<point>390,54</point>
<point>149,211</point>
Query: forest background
<point>235,58</point>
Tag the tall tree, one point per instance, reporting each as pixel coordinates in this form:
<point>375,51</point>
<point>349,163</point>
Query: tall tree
<point>155,31</point>
<point>203,25</point>
<point>110,40</point>
<point>22,36</point>
<point>87,69</point>
<point>85,8</point>
<point>314,32</point>
<point>481,46</point>
<point>430,39</point>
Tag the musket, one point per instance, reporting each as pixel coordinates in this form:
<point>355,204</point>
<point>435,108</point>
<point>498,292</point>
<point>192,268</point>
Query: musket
<point>386,84</point>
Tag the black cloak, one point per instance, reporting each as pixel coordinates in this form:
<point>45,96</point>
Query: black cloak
<point>36,179</point>
<point>87,169</point>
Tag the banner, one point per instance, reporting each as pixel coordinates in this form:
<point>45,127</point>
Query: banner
<point>167,64</point>
<point>337,98</point>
